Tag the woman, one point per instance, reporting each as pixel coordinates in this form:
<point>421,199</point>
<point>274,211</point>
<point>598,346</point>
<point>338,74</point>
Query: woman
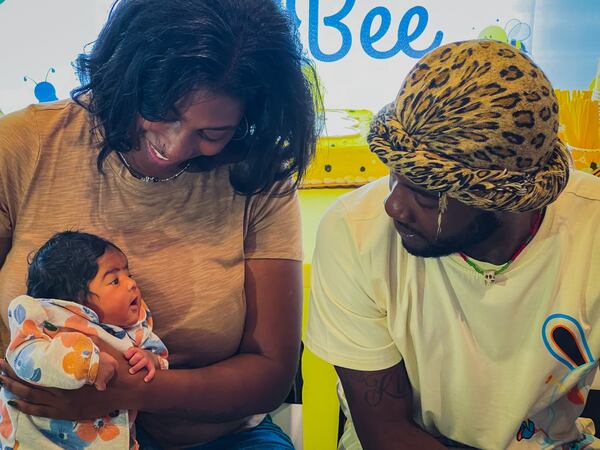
<point>193,125</point>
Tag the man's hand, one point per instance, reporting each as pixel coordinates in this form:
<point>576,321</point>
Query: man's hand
<point>139,359</point>
<point>107,368</point>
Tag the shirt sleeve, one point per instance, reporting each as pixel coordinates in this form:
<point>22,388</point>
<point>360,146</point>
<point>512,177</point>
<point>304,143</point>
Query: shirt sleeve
<point>19,150</point>
<point>155,345</point>
<point>39,353</point>
<point>347,327</point>
<point>273,228</point>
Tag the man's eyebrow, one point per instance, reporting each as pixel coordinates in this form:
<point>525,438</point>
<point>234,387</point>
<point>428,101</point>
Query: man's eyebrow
<point>413,187</point>
<point>420,190</point>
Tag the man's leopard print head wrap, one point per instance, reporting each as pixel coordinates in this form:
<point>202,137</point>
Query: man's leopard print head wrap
<point>476,121</point>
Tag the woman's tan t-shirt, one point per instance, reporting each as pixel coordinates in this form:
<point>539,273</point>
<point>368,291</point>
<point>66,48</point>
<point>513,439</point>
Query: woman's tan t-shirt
<point>186,239</point>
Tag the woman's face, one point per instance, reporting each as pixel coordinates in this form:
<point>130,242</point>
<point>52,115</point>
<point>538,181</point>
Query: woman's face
<point>202,123</point>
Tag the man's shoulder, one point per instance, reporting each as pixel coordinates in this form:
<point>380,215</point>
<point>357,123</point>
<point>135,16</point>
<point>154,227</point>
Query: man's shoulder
<point>583,185</point>
<point>359,217</point>
<point>364,203</point>
<point>581,196</point>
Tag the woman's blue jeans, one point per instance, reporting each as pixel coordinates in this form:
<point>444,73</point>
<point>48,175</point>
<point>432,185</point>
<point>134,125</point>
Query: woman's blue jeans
<point>265,436</point>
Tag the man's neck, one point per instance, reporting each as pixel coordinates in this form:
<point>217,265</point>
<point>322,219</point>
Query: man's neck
<point>501,246</point>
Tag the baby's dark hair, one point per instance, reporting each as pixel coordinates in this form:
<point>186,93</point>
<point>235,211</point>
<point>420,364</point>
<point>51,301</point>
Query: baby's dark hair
<point>64,266</point>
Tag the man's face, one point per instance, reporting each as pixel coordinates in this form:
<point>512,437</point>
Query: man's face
<point>415,212</point>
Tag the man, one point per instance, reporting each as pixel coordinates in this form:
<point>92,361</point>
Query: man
<point>458,297</point>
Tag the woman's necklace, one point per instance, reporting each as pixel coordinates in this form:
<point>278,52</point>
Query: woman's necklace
<point>489,276</point>
<point>148,178</point>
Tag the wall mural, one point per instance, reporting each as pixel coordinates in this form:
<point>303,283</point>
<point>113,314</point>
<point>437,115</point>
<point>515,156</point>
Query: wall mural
<point>39,40</point>
<point>362,50</point>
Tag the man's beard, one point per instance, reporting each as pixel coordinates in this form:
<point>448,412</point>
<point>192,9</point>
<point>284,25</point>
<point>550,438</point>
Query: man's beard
<point>481,228</point>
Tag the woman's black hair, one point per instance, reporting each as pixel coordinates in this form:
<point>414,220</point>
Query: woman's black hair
<point>64,266</point>
<point>151,53</point>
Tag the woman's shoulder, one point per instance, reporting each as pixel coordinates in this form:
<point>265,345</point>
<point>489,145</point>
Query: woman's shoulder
<point>29,115</point>
<point>19,141</point>
<point>47,114</point>
<point>281,194</point>
<point>16,128</point>
<point>24,131</point>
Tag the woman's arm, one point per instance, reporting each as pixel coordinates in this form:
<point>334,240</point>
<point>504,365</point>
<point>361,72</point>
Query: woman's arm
<point>254,381</point>
<point>259,378</point>
<point>5,245</point>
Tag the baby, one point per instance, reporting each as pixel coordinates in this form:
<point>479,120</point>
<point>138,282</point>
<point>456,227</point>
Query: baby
<point>79,288</point>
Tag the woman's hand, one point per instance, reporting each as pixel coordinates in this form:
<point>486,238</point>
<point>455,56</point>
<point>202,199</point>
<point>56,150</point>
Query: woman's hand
<point>79,404</point>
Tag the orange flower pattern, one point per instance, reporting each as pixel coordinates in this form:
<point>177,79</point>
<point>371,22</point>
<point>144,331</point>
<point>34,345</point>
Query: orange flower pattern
<point>26,332</point>
<point>78,323</point>
<point>103,428</point>
<point>53,344</point>
<point>6,427</point>
<point>77,362</point>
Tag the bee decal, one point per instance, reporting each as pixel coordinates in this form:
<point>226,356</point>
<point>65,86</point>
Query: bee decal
<point>44,91</point>
<point>514,33</point>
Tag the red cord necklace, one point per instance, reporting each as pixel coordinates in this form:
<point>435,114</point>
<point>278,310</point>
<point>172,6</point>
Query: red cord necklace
<point>489,276</point>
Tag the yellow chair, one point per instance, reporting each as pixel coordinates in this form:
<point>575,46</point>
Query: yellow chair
<point>320,406</point>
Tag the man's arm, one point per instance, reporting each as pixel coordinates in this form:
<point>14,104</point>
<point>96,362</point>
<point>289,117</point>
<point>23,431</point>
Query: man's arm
<point>380,405</point>
<point>592,408</point>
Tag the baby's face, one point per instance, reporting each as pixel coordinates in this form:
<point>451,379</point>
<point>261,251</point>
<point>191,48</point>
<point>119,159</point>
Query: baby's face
<point>115,296</point>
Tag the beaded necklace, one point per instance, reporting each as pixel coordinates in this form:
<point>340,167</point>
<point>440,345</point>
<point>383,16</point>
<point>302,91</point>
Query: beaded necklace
<point>148,178</point>
<point>489,276</point>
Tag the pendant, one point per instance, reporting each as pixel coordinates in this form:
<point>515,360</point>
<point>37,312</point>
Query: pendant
<point>490,277</point>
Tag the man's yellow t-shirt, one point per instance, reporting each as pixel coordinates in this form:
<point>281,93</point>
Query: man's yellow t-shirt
<point>492,367</point>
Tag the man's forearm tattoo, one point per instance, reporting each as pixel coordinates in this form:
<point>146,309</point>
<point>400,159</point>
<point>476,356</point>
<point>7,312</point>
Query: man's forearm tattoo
<point>392,384</point>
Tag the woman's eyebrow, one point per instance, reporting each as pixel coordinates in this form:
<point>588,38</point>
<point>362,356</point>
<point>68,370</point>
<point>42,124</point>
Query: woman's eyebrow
<point>224,127</point>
